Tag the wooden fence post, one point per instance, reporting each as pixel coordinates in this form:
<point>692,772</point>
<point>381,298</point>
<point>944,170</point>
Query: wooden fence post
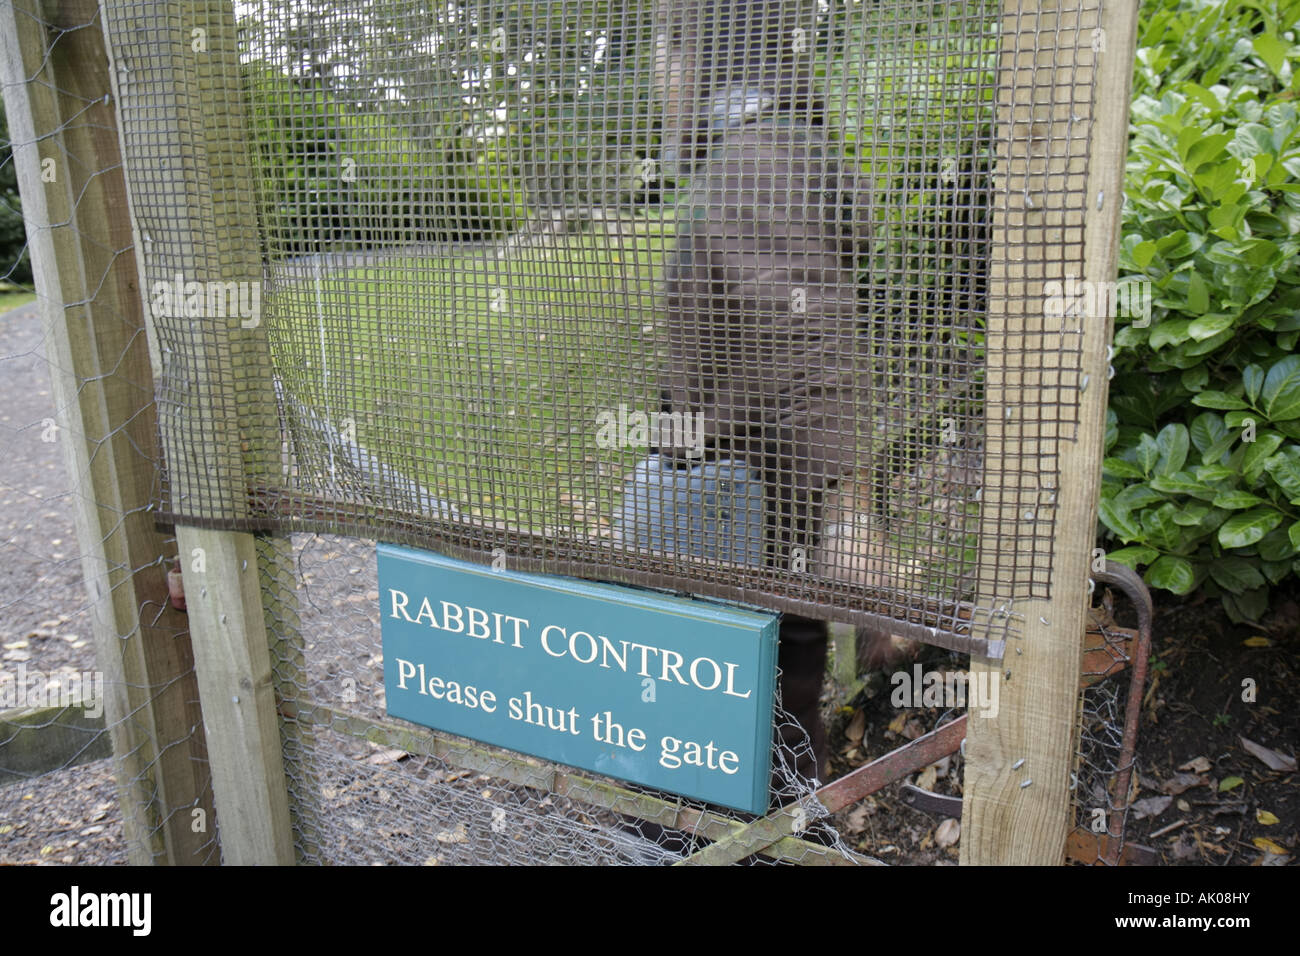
<point>190,179</point>
<point>56,87</point>
<point>1016,795</point>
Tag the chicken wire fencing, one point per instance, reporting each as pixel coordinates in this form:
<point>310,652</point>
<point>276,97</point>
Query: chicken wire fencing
<point>683,295</point>
<point>367,788</point>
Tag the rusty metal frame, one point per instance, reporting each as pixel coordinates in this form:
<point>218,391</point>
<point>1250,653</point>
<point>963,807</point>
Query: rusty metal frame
<point>1111,849</point>
<point>1130,583</point>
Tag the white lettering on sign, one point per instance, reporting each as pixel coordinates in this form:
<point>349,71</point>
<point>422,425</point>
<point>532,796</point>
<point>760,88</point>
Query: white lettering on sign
<point>555,640</point>
<point>454,618</point>
<point>453,692</point>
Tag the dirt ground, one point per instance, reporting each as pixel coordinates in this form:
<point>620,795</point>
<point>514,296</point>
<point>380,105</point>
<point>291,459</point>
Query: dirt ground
<point>1202,796</point>
<point>1205,794</point>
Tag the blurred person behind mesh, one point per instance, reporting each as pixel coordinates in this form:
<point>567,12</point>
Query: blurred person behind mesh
<point>761,291</point>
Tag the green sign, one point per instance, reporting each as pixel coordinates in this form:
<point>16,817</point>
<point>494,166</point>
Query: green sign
<point>668,692</point>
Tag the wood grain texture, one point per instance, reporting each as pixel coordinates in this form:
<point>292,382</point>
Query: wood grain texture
<point>61,120</point>
<point>1016,797</point>
<point>191,189</point>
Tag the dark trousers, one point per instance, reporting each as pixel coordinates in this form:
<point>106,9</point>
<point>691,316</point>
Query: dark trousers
<point>802,657</point>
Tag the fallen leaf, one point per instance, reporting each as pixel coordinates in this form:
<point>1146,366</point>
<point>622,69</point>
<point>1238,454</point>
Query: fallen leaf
<point>1230,783</point>
<point>1183,805</point>
<point>1151,807</point>
<point>857,727</point>
<point>1257,642</point>
<point>913,729</point>
<point>1273,759</point>
<point>926,778</point>
<point>1186,847</point>
<point>948,832</point>
<point>1264,843</point>
<point>857,820</point>
<point>1265,818</point>
<point>1273,859</point>
<point>387,755</point>
<point>896,725</point>
<point>1197,765</point>
<point>1180,782</point>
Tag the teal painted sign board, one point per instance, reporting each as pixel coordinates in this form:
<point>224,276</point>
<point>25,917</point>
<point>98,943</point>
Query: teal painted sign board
<point>663,691</point>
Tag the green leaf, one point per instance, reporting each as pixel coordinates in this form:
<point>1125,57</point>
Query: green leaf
<point>1161,528</point>
<point>1180,484</point>
<point>1258,452</point>
<point>1137,496</point>
<point>1272,51</point>
<point>1276,571</point>
<point>1230,783</point>
<point>1170,332</point>
<point>1194,379</point>
<point>1284,469</point>
<point>1243,530</point>
<point>1293,533</point>
<point>1171,573</point>
<point>1201,148</point>
<point>1277,545</point>
<point>1143,253</point>
<point>1147,453</point>
<point>1252,376</point>
<point>1235,574</point>
<point>1118,520</point>
<point>1133,555</point>
<point>1215,472</point>
<point>1208,326</point>
<point>1206,429</point>
<point>1191,514</point>
<point>1215,452</point>
<point>1240,418</point>
<point>1281,391</point>
<point>1178,244</point>
<point>1212,399</point>
<point>1236,500</point>
<point>1119,468</point>
<point>1198,299</point>
<point>1246,606</point>
<point>1173,444</point>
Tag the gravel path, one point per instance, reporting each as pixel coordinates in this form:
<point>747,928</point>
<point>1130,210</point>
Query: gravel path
<point>69,816</point>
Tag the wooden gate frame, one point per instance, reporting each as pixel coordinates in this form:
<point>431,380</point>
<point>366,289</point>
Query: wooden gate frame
<point>1017,806</point>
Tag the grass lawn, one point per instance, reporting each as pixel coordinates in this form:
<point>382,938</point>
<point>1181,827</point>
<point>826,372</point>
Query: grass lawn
<point>481,376</point>
<point>12,297</point>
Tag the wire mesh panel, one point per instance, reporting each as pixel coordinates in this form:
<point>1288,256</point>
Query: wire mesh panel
<point>681,294</point>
